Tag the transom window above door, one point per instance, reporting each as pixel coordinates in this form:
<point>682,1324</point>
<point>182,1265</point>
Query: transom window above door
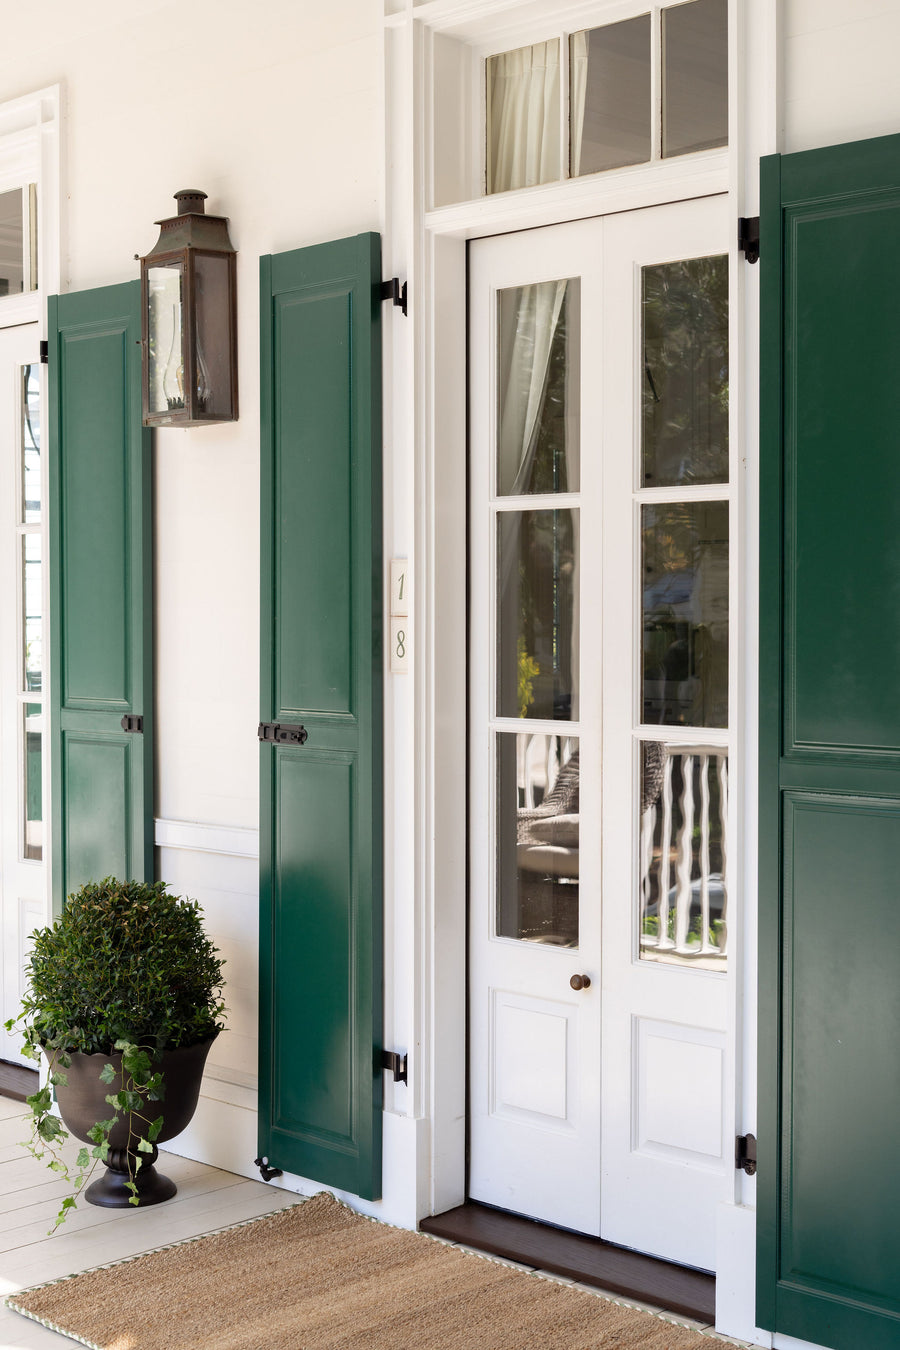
<point>643,89</point>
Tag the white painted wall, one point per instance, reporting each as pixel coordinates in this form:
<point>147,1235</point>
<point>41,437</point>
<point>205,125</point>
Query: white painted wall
<point>840,71</point>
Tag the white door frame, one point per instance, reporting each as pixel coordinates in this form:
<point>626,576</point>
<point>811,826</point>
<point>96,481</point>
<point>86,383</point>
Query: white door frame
<point>425,496</point>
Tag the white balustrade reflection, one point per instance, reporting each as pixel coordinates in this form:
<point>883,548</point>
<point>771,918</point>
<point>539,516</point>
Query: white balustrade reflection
<point>683,854</point>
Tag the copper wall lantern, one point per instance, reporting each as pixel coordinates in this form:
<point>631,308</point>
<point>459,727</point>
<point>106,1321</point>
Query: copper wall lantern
<point>189,323</point>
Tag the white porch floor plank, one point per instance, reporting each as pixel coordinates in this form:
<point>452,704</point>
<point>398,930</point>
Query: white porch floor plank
<point>30,1196</point>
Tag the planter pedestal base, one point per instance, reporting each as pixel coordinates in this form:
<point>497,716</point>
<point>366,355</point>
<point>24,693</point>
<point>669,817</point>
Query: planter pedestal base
<point>111,1192</point>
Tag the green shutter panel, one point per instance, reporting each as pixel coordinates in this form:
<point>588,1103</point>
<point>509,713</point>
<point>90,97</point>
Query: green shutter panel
<point>829,1186</point>
<point>100,588</point>
<point>321,667</point>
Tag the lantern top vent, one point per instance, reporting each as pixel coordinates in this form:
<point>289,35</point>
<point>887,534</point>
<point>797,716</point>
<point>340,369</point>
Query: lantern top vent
<point>192,227</point>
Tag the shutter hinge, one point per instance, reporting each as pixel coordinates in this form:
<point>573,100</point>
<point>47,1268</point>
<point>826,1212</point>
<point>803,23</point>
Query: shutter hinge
<point>265,1171</point>
<point>131,722</point>
<point>282,733</point>
<point>745,1154</point>
<point>45,352</point>
<point>395,1063</point>
<point>748,237</point>
<point>393,291</point>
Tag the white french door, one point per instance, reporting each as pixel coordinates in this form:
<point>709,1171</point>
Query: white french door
<point>600,515</point>
<point>22,480</point>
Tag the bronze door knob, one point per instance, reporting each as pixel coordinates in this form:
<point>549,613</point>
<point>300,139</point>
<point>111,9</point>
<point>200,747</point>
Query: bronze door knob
<point>580,982</point>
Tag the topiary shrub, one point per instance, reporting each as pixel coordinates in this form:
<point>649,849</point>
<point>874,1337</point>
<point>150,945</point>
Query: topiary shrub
<point>125,961</point>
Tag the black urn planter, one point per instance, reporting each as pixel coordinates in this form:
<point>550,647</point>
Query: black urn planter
<point>82,1102</point>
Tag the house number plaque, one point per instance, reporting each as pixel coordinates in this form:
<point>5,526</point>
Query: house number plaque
<point>400,633</point>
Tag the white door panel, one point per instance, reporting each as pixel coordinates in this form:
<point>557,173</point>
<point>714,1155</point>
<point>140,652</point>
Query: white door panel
<point>595,683</point>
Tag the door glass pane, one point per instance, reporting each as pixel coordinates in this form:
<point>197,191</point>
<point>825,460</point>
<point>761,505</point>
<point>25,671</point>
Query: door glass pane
<point>31,444</point>
<point>684,393</point>
<point>523,117</point>
<point>685,613</point>
<point>32,603</point>
<point>537,609</point>
<point>537,838</point>
<point>683,894</point>
<point>538,367</point>
<point>609,96</point>
<point>12,243</point>
<point>695,76</point>
<point>166,356</point>
<point>33,721</point>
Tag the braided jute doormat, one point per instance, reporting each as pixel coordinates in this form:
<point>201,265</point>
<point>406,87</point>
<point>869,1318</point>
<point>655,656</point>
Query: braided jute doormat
<point>318,1276</point>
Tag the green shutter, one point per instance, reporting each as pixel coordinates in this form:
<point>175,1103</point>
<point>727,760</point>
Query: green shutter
<point>829,1186</point>
<point>100,589</point>
<point>321,666</point>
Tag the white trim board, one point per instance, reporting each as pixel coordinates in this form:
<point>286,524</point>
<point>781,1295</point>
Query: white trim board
<point>232,840</point>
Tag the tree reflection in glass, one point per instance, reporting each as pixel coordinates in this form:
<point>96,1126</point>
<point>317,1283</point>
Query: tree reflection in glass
<point>684,396</point>
<point>685,614</point>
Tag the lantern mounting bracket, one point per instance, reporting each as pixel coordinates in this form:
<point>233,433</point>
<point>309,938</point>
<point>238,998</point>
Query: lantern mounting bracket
<point>393,291</point>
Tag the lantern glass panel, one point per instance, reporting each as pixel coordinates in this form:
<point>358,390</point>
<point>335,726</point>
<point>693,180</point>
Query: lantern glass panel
<point>166,344</point>
<point>212,327</point>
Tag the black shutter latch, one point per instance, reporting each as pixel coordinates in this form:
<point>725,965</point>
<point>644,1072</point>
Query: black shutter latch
<point>45,352</point>
<point>748,237</point>
<point>282,733</point>
<point>131,722</point>
<point>395,1064</point>
<point>745,1154</point>
<point>393,291</point>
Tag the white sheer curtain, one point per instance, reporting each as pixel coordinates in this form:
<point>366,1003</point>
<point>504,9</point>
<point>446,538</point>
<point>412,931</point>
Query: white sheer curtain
<point>526,337</point>
<point>523,117</point>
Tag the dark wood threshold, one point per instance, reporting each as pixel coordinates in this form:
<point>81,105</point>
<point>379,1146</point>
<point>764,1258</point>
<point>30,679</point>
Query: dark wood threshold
<point>16,1081</point>
<point>677,1289</point>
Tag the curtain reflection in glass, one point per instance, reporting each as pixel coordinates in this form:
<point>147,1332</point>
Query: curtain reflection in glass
<point>684,397</point>
<point>683,893</point>
<point>31,444</point>
<point>685,614</point>
<point>537,634</point>
<point>538,372</point>
<point>537,836</point>
<point>609,96</point>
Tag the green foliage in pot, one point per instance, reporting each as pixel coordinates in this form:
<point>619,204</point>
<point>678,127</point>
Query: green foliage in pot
<point>127,967</point>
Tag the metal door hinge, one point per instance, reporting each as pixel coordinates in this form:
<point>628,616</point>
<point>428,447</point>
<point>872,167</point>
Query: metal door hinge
<point>45,352</point>
<point>131,722</point>
<point>282,733</point>
<point>395,1063</point>
<point>265,1171</point>
<point>745,1154</point>
<point>748,237</point>
<point>393,291</point>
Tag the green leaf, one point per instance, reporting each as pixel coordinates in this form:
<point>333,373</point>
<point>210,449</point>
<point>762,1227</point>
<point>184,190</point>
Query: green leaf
<point>144,1146</point>
<point>154,1129</point>
<point>57,1166</point>
<point>84,1159</point>
<point>49,1129</point>
<point>40,1101</point>
<point>59,1079</point>
<point>107,1075</point>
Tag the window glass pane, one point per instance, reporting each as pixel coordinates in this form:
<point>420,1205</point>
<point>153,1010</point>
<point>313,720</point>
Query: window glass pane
<point>166,354</point>
<point>684,393</point>
<point>537,835</point>
<point>538,417</point>
<point>683,895</point>
<point>213,317</point>
<point>695,76</point>
<point>31,444</point>
<point>685,614</point>
<point>537,639</point>
<point>31,594</point>
<point>33,780</point>
<point>523,117</point>
<point>610,96</point>
<point>12,243</point>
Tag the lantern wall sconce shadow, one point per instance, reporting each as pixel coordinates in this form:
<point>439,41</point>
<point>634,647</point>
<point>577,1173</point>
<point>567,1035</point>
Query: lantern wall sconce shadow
<point>189,320</point>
